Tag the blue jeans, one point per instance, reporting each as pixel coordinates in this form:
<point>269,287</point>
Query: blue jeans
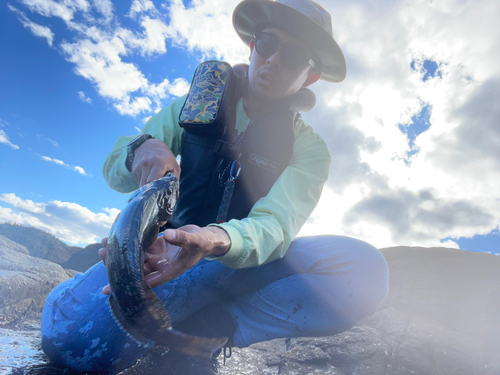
<point>324,285</point>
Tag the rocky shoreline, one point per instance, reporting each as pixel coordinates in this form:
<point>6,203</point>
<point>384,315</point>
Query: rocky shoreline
<point>442,316</point>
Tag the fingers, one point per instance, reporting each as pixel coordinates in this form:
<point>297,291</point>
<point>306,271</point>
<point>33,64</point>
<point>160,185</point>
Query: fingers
<point>106,290</point>
<point>179,263</point>
<point>156,172</point>
<point>177,237</point>
<point>158,278</point>
<point>102,254</point>
<point>151,172</point>
<point>170,255</point>
<point>148,168</point>
<point>144,178</point>
<point>153,159</point>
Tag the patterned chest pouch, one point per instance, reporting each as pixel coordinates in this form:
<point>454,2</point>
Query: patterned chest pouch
<point>206,112</point>
<point>209,99</point>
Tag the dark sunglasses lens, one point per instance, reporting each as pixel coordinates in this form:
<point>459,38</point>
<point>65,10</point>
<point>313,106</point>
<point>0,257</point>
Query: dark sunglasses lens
<point>292,57</point>
<point>267,45</point>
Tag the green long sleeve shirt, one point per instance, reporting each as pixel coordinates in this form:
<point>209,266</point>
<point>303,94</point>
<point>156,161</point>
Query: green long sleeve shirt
<point>275,219</point>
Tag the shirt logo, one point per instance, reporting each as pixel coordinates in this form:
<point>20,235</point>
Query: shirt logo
<point>263,163</point>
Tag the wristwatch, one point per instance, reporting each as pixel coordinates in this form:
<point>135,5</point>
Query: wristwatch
<point>132,146</point>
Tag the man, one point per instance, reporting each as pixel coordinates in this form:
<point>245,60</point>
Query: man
<point>244,277</point>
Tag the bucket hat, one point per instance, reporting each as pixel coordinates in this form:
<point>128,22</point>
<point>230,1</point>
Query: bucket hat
<point>303,19</point>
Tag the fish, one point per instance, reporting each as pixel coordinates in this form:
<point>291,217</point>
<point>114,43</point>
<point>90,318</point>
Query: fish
<point>133,303</point>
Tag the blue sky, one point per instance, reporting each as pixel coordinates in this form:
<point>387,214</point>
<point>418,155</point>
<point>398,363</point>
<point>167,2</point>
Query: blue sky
<point>75,75</point>
<point>44,114</point>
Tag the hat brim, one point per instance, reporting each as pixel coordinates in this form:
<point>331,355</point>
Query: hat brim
<point>251,13</point>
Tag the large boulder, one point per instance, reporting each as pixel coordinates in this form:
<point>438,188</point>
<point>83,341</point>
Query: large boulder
<point>25,281</point>
<point>442,314</point>
<point>9,244</point>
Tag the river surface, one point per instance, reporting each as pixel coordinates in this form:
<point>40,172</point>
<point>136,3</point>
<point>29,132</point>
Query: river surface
<point>20,346</point>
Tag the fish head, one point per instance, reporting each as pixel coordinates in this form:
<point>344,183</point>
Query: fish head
<point>167,197</point>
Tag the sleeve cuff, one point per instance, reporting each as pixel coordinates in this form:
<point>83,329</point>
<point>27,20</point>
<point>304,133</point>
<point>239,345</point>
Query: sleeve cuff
<point>237,250</point>
<point>127,180</point>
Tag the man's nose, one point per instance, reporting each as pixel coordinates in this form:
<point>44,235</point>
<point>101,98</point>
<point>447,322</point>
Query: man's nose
<point>275,58</point>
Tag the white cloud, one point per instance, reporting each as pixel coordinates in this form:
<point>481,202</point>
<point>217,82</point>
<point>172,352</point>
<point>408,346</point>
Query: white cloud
<point>101,64</point>
<point>134,106</point>
<point>141,6</point>
<point>100,45</point>
<point>55,161</point>
<point>68,221</point>
<point>420,218</point>
<point>51,141</point>
<point>74,168</point>
<point>84,98</point>
<point>152,40</point>
<point>448,189</point>
<point>37,30</point>
<point>205,26</point>
<point>80,170</point>
<point>105,7</point>
<point>4,138</point>
<point>49,8</point>
<point>179,87</point>
<point>99,59</point>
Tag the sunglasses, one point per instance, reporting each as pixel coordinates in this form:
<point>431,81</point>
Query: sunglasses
<point>291,56</point>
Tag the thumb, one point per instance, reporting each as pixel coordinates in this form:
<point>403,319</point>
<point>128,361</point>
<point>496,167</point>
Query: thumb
<point>174,236</point>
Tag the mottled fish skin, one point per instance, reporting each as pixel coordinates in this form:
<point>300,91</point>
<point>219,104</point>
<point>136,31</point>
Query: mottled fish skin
<point>134,305</point>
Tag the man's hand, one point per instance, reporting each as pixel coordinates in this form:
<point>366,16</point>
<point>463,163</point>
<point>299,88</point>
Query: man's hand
<point>177,251</point>
<point>152,160</point>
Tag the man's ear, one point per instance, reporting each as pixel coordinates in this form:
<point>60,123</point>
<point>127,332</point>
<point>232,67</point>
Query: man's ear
<point>313,77</point>
<point>252,45</point>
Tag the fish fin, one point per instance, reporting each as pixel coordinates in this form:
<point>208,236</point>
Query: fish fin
<point>125,324</point>
<point>193,345</point>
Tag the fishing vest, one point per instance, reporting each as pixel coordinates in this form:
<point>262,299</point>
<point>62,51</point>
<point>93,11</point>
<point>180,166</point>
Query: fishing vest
<point>209,152</point>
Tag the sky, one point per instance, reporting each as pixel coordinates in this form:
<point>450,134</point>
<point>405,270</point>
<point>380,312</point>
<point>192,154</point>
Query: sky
<point>414,129</point>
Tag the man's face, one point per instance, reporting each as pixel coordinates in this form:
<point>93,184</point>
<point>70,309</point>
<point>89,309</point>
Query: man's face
<point>268,79</point>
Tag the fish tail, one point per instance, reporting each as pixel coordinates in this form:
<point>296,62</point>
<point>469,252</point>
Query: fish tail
<point>125,324</point>
<point>192,345</point>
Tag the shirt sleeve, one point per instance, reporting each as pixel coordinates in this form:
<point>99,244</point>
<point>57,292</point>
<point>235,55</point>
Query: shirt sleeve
<point>277,218</point>
<point>163,126</point>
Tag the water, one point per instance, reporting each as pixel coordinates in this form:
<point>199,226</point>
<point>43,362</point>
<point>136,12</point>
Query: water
<point>20,347</point>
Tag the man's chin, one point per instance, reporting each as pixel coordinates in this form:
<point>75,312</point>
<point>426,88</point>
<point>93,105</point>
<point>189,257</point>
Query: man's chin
<point>267,95</point>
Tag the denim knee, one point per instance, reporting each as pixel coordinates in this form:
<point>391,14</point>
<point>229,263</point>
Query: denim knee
<point>354,265</point>
<point>78,330</point>
<point>372,272</point>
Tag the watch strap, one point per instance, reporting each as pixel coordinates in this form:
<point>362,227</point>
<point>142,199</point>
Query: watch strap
<point>132,146</point>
